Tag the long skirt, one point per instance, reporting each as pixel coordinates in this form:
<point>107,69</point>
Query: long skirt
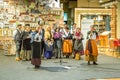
<point>67,47</point>
<point>91,55</point>
<point>78,47</point>
<point>36,53</point>
<point>48,51</point>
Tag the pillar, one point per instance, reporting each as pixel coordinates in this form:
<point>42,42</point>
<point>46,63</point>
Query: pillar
<point>113,22</point>
<point>118,20</point>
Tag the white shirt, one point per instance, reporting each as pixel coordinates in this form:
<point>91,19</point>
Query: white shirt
<point>93,36</point>
<point>15,32</point>
<point>37,37</point>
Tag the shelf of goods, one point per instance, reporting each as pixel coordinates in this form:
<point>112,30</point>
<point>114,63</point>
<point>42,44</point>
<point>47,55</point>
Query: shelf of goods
<point>6,41</point>
<point>99,25</point>
<point>103,45</point>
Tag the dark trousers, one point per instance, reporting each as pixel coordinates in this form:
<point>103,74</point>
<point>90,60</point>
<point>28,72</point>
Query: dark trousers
<point>18,48</point>
<point>42,47</point>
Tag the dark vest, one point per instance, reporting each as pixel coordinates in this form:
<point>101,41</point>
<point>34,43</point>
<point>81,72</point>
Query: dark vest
<point>18,36</point>
<point>88,33</point>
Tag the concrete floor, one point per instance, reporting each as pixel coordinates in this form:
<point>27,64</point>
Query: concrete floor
<point>51,69</point>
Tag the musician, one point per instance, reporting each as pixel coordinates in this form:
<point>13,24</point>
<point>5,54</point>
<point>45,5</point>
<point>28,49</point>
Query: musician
<point>36,47</point>
<point>17,35</point>
<point>91,51</point>
<point>67,42</point>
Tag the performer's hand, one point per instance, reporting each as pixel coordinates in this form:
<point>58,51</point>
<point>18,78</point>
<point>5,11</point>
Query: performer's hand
<point>97,40</point>
<point>62,38</point>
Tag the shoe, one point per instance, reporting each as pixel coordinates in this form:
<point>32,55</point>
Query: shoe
<point>56,57</point>
<point>27,59</point>
<point>88,62</point>
<point>67,56</point>
<point>94,63</point>
<point>60,57</point>
<point>36,67</point>
<point>17,59</point>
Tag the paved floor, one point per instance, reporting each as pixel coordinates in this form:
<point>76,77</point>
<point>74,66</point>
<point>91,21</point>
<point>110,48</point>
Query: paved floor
<point>51,69</point>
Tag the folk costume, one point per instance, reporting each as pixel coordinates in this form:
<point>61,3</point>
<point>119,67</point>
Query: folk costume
<point>17,35</point>
<point>36,46</point>
<point>57,43</point>
<point>48,44</point>
<point>26,46</point>
<point>67,43</point>
<point>78,44</point>
<point>91,51</point>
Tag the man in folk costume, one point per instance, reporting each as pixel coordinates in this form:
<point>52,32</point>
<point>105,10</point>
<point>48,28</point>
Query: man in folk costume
<point>91,51</point>
<point>73,28</point>
<point>17,35</point>
<point>73,31</point>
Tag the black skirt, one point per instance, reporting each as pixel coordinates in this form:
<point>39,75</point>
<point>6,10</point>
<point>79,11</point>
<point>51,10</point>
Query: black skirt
<point>36,53</point>
<point>26,44</point>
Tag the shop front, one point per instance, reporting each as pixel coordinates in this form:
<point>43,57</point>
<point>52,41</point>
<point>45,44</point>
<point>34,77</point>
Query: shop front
<point>104,21</point>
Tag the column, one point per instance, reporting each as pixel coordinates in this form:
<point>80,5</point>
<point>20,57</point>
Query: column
<point>118,20</point>
<point>113,22</point>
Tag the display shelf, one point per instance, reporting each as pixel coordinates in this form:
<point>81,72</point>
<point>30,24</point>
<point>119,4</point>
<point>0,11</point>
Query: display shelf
<point>13,12</point>
<point>99,23</point>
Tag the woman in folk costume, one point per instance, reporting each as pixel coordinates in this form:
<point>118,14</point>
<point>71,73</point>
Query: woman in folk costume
<point>78,44</point>
<point>48,43</point>
<point>36,38</point>
<point>57,42</point>
<point>26,46</point>
<point>67,42</point>
<point>91,51</point>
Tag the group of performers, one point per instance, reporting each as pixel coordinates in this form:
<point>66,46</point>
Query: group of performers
<point>53,42</point>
